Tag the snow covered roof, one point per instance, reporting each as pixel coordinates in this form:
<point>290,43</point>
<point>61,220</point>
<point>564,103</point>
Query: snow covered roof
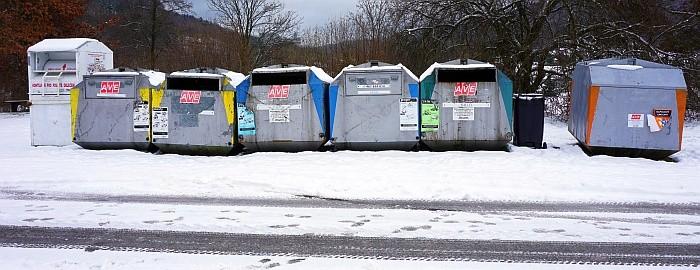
<point>322,75</point>
<point>61,44</point>
<point>155,78</point>
<point>453,65</point>
<point>364,68</point>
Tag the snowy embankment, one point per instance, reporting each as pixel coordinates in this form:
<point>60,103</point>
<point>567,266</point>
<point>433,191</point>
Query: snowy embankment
<point>563,174</point>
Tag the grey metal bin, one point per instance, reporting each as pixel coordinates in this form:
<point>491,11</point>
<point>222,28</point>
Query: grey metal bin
<point>283,108</point>
<point>195,112</point>
<point>374,106</point>
<point>466,105</point>
<point>110,110</point>
<point>628,107</point>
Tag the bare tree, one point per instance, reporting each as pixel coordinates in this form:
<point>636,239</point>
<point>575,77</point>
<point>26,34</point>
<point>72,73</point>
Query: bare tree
<point>263,26</point>
<point>157,22</point>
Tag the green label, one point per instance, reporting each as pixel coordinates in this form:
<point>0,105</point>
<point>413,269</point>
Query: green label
<point>430,116</point>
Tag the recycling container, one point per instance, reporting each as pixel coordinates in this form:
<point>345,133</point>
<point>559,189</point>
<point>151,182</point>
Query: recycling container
<point>55,66</point>
<point>628,107</point>
<point>466,105</point>
<point>111,109</point>
<point>194,114</point>
<point>283,108</point>
<point>374,106</point>
<point>529,120</point>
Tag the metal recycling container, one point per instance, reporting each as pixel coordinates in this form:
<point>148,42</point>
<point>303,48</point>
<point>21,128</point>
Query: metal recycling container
<point>628,107</point>
<point>55,66</point>
<point>529,120</point>
<point>374,106</point>
<point>194,113</point>
<point>110,110</point>
<point>466,105</point>
<point>283,108</point>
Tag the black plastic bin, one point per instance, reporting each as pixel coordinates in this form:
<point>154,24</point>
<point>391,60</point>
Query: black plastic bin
<point>529,120</point>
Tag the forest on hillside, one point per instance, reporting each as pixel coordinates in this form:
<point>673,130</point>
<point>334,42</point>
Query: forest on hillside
<point>536,42</point>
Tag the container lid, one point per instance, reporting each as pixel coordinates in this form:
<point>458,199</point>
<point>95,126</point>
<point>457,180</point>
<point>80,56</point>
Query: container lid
<point>456,64</point>
<point>60,44</point>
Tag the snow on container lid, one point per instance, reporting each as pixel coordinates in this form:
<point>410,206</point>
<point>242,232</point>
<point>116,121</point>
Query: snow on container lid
<point>385,67</point>
<point>155,78</point>
<point>626,67</point>
<point>455,65</point>
<point>320,73</point>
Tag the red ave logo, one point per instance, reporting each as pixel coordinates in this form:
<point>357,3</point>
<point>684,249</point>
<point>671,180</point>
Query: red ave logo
<point>636,117</point>
<point>190,97</point>
<point>466,89</point>
<point>278,91</point>
<point>109,87</point>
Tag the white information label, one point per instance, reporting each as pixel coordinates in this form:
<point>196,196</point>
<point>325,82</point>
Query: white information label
<point>141,118</point>
<point>266,107</point>
<point>408,114</point>
<point>373,92</point>
<point>160,123</point>
<point>635,120</point>
<point>279,115</point>
<point>463,114</point>
<point>466,105</point>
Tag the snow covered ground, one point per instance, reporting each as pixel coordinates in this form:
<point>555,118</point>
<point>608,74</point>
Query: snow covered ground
<point>30,259</point>
<point>562,174</point>
<point>394,223</point>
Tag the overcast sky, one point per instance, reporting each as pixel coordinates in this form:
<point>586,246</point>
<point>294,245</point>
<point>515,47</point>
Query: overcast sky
<point>313,12</point>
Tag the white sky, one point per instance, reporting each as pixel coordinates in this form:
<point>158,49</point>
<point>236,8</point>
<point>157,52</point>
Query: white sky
<point>313,12</point>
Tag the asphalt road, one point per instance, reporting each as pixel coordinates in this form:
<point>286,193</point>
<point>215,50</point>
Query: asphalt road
<point>351,247</point>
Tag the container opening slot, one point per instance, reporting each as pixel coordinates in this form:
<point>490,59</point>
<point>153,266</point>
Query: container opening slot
<point>467,75</point>
<point>285,78</point>
<point>202,84</point>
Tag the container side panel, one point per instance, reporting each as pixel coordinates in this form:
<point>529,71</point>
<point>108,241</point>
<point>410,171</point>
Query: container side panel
<point>681,99</point>
<point>633,118</point>
<point>592,106</point>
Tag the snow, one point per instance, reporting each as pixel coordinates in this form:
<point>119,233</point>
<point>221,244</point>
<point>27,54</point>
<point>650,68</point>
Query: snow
<point>392,223</point>
<point>563,173</point>
<point>378,68</point>
<point>625,67</point>
<point>155,78</point>
<point>62,259</point>
<point>320,73</point>
<point>60,44</point>
<point>435,66</point>
<point>235,78</point>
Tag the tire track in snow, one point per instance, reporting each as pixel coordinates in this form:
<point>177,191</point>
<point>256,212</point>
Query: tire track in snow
<point>650,254</point>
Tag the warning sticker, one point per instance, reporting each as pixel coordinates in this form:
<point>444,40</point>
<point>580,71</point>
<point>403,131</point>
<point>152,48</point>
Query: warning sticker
<point>430,116</point>
<point>279,115</point>
<point>463,114</point>
<point>661,119</point>
<point>635,120</point>
<point>408,114</point>
<point>246,121</point>
<point>141,117</point>
<point>160,123</point>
